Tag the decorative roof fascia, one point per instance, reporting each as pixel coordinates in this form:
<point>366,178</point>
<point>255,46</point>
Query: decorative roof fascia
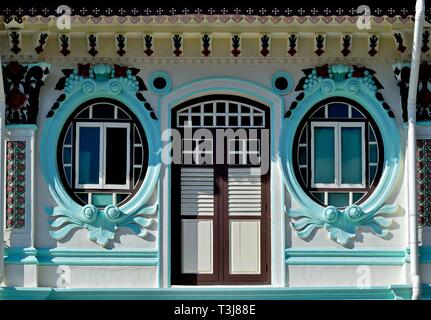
<point>202,18</point>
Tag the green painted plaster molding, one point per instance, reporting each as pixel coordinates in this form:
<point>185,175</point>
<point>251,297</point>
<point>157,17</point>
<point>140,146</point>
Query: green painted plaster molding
<point>391,292</point>
<point>346,257</point>
<point>80,257</point>
<point>361,86</point>
<point>80,85</point>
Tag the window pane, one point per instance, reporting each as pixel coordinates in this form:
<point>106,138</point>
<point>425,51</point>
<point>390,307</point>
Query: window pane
<point>356,196</point>
<point>68,171</point>
<point>324,156</point>
<point>89,152</point>
<point>67,155</point>
<point>373,153</point>
<point>68,139</point>
<point>338,110</point>
<point>103,111</point>
<point>320,196</point>
<point>302,155</point>
<point>338,199</point>
<point>116,155</point>
<point>351,155</point>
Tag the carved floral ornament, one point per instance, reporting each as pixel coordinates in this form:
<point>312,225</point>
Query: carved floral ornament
<point>80,85</point>
<point>423,101</point>
<point>358,84</point>
<point>22,83</point>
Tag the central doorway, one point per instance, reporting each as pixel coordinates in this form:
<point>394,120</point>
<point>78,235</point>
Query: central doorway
<point>220,210</point>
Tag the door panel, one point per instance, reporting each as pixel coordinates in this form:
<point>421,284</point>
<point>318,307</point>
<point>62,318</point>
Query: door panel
<point>244,246</point>
<point>197,246</point>
<point>220,212</point>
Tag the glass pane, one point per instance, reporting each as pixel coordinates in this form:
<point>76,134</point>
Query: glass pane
<point>67,155</point>
<point>68,172</point>
<point>84,114</point>
<point>320,196</point>
<point>373,171</point>
<point>338,110</point>
<point>371,135</point>
<point>89,152</point>
<point>68,139</point>
<point>83,197</point>
<point>121,114</point>
<point>302,155</point>
<point>356,196</point>
<point>101,199</point>
<point>356,114</point>
<point>304,175</point>
<point>320,113</point>
<point>103,111</point>
<point>116,155</point>
<point>303,138</point>
<point>233,108</point>
<point>373,153</point>
<point>221,107</point>
<point>324,156</point>
<point>338,199</point>
<point>351,155</point>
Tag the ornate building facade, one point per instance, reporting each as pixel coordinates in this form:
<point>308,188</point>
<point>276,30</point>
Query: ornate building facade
<point>153,153</point>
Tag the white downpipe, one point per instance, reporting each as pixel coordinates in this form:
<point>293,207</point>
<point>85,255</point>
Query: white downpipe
<point>2,172</point>
<point>411,150</point>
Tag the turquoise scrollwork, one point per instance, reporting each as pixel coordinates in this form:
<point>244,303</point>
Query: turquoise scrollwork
<point>101,224</point>
<point>80,85</point>
<point>360,85</point>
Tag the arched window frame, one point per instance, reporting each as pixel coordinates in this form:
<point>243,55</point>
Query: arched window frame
<point>333,82</point>
<point>120,84</point>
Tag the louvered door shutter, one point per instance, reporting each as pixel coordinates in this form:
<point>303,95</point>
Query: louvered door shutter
<point>197,220</point>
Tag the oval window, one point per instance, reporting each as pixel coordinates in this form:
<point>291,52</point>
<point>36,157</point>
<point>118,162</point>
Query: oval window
<point>102,153</point>
<point>339,152</point>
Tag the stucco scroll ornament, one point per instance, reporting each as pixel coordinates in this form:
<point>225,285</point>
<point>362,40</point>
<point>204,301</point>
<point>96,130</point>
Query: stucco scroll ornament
<point>81,84</point>
<point>101,223</point>
<point>360,85</point>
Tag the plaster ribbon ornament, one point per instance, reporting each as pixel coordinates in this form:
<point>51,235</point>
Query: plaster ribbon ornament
<point>358,84</point>
<point>80,85</point>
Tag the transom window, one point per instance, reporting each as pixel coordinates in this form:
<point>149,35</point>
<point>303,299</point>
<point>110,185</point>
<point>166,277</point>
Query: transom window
<point>102,153</point>
<point>221,113</point>
<point>339,153</point>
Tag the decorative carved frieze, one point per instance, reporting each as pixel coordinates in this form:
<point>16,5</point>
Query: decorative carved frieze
<point>92,44</point>
<point>292,44</point>
<point>64,41</point>
<point>148,45</point>
<point>346,44</point>
<point>373,44</point>
<point>206,43</point>
<point>264,45</point>
<point>15,41</point>
<point>399,38</point>
<point>319,44</point>
<point>121,44</point>
<point>41,41</point>
<point>177,45</point>
<point>236,45</point>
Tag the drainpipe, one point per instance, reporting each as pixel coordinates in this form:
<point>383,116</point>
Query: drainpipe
<point>2,166</point>
<point>411,150</point>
